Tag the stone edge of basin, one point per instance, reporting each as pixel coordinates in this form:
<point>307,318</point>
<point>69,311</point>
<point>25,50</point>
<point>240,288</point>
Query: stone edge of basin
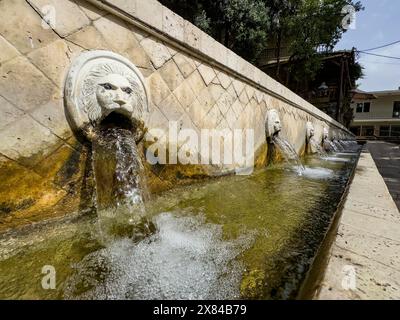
<point>167,26</point>
<point>357,260</point>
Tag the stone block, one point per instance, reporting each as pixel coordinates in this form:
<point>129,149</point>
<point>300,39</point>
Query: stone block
<point>68,16</point>
<point>224,102</point>
<point>192,35</point>
<point>27,141</point>
<point>158,88</point>
<point>150,12</point>
<point>184,94</point>
<point>196,113</point>
<point>238,86</point>
<point>116,33</point>
<point>206,99</point>
<point>196,82</point>
<point>23,27</point>
<point>89,38</point>
<point>224,79</point>
<point>173,24</point>
<point>185,64</point>
<point>8,113</point>
<point>171,74</point>
<point>52,116</point>
<point>216,91</point>
<point>54,60</point>
<point>91,11</point>
<point>24,85</point>
<point>207,73</point>
<point>7,51</point>
<point>157,51</point>
<point>171,108</point>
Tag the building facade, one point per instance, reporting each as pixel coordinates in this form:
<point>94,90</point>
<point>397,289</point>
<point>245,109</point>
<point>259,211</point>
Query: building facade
<point>376,115</point>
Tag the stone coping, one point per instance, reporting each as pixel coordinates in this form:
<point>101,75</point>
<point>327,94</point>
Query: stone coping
<point>167,26</point>
<point>364,261</point>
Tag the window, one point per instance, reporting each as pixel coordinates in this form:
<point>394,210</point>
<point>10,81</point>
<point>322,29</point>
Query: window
<point>363,107</point>
<point>384,131</point>
<point>367,131</point>
<point>356,131</point>
<point>395,131</point>
<point>396,109</point>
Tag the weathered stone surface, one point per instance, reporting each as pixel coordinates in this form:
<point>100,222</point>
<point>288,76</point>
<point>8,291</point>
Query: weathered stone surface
<point>150,12</point>
<point>158,88</point>
<point>207,73</point>
<point>196,82</point>
<point>157,120</point>
<point>89,38</point>
<point>25,34</point>
<point>192,35</point>
<point>184,94</point>
<point>54,60</point>
<point>139,57</point>
<point>224,79</point>
<point>366,243</point>
<point>27,141</point>
<point>24,85</point>
<point>8,113</point>
<point>238,86</point>
<point>185,64</point>
<point>171,74</point>
<point>158,52</point>
<point>116,33</point>
<point>206,99</point>
<point>92,12</point>
<point>7,51</point>
<point>224,102</point>
<point>216,91</point>
<point>68,16</point>
<point>196,113</point>
<point>173,24</point>
<point>171,108</point>
<point>382,250</point>
<point>52,116</point>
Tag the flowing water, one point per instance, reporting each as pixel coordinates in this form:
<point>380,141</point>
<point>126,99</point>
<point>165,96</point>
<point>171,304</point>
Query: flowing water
<point>288,152</point>
<point>120,183</point>
<point>317,147</point>
<point>249,237</point>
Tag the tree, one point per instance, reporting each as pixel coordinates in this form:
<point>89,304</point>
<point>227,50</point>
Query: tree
<point>241,25</point>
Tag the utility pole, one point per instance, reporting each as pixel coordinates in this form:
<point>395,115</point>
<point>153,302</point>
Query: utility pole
<point>340,101</point>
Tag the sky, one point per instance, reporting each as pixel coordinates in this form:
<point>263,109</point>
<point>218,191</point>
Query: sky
<point>377,25</point>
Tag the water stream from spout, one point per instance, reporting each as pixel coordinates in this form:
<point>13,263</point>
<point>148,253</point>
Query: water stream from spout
<point>317,147</point>
<point>288,152</point>
<point>120,182</point>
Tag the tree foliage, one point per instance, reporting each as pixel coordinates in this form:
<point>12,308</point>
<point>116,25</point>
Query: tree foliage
<point>241,25</point>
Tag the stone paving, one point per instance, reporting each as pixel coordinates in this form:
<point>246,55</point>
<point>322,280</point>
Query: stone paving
<point>364,261</point>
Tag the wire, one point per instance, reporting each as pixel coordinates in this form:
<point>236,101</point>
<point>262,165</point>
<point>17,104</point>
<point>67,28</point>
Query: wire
<point>383,46</point>
<point>379,55</point>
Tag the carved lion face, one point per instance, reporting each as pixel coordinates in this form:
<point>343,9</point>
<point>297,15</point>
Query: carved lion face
<point>112,87</point>
<point>310,130</point>
<point>326,134</point>
<point>273,124</point>
<point>115,93</point>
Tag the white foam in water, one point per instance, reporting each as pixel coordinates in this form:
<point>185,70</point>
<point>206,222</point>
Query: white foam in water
<point>185,259</point>
<point>316,173</point>
<point>336,159</point>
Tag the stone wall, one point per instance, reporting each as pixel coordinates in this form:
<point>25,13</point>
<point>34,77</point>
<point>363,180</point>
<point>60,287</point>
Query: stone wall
<point>191,79</point>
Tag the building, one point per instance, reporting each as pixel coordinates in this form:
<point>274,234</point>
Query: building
<point>376,115</point>
<point>331,88</point>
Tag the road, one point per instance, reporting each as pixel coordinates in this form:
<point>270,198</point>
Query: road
<point>387,158</point>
